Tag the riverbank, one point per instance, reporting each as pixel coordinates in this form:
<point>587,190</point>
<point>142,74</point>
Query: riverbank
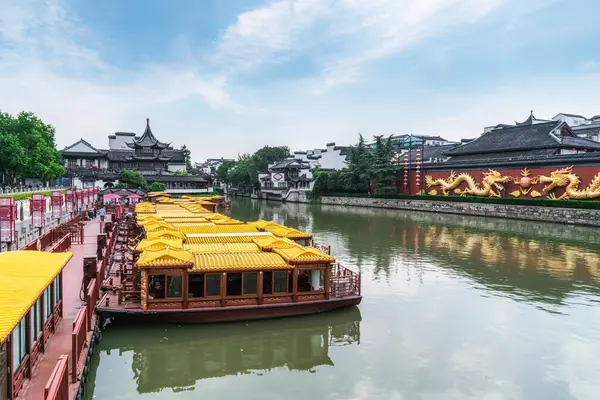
<point>584,217</point>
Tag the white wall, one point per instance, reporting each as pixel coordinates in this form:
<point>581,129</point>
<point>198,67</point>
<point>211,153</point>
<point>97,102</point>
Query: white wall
<point>175,167</point>
<point>332,159</point>
<point>120,141</point>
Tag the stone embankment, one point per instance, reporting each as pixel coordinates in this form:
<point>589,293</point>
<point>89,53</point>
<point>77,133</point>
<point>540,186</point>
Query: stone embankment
<point>529,213</point>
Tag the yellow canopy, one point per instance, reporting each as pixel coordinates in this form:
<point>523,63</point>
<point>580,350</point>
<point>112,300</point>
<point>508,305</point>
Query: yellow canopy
<point>289,233</point>
<point>159,244</point>
<point>165,233</point>
<point>165,258</point>
<point>24,276</point>
<point>269,243</point>
<point>222,248</point>
<point>214,262</point>
<point>226,238</point>
<point>221,229</point>
<point>303,255</point>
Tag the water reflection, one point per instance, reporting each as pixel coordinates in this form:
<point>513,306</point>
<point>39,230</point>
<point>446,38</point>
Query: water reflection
<point>531,261</point>
<point>179,357</point>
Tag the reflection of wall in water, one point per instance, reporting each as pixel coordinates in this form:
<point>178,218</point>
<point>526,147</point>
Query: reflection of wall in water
<point>180,365</point>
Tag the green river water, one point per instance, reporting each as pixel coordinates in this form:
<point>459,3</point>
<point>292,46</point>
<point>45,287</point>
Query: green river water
<point>453,308</point>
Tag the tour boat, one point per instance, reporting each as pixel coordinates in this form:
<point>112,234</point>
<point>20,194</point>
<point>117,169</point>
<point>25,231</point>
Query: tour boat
<point>180,262</point>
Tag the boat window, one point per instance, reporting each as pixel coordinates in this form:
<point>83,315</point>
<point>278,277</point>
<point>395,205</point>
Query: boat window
<point>280,283</point>
<point>174,284</point>
<point>19,344</point>
<point>311,280</point>
<point>234,284</point>
<point>195,285</point>
<point>156,287</point>
<point>268,282</point>
<point>47,303</point>
<point>250,282</point>
<point>57,294</point>
<point>36,319</point>
<point>213,284</point>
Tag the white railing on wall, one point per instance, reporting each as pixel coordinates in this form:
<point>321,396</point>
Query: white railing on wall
<point>9,190</point>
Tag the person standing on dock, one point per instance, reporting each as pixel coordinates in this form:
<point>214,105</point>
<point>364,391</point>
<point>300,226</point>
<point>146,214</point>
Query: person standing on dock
<point>101,212</point>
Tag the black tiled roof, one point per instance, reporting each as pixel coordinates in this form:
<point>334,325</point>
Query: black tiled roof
<point>148,139</point>
<point>587,131</point>
<point>524,138</point>
<point>508,155</point>
<point>428,152</point>
<point>286,164</point>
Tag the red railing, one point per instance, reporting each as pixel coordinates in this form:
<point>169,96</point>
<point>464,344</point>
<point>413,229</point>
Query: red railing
<point>93,291</point>
<point>344,282</point>
<point>321,247</point>
<point>78,339</point>
<point>62,245</point>
<point>57,387</point>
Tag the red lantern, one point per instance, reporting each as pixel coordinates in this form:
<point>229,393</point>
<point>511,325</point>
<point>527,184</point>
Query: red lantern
<point>56,200</point>
<point>37,207</point>
<point>69,201</point>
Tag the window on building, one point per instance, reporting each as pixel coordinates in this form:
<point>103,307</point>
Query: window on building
<point>234,284</point>
<point>275,282</point>
<point>156,287</point>
<point>57,294</point>
<point>311,280</point>
<point>174,286</point>
<point>37,321</point>
<point>47,303</point>
<point>195,285</point>
<point>19,344</point>
<point>89,163</point>
<point>250,282</point>
<point>72,163</point>
<point>146,149</point>
<point>213,284</point>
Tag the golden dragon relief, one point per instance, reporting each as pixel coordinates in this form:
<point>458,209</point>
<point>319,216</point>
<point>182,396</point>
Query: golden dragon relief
<point>491,184</point>
<point>566,178</point>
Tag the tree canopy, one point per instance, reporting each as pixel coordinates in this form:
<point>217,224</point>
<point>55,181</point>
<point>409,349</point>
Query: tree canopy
<point>28,149</point>
<point>243,173</point>
<point>132,180</point>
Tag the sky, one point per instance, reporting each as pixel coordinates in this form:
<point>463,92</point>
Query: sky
<point>226,77</point>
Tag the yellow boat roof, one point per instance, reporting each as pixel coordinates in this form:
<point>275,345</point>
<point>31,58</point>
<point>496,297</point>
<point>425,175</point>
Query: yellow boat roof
<point>25,274</point>
<point>225,237</point>
<point>222,248</point>
<point>216,262</point>
<point>160,243</point>
<point>303,255</point>
<point>269,243</point>
<point>165,233</point>
<point>165,258</point>
<point>220,229</point>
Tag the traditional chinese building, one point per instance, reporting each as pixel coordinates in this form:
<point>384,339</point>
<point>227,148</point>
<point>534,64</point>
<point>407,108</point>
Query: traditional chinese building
<point>285,177</point>
<point>533,158</point>
<point>157,161</point>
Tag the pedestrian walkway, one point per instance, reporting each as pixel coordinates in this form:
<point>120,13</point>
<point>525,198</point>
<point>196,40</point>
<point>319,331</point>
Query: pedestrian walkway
<point>60,342</point>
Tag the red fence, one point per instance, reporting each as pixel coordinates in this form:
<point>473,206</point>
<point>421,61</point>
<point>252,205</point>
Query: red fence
<point>93,291</point>
<point>344,282</point>
<point>78,338</point>
<point>57,387</point>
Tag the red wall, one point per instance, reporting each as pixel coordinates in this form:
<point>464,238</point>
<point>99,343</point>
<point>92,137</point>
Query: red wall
<point>586,174</point>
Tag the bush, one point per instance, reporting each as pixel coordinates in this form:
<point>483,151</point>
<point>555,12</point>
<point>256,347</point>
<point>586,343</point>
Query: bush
<point>157,187</point>
<point>587,204</point>
<point>25,196</point>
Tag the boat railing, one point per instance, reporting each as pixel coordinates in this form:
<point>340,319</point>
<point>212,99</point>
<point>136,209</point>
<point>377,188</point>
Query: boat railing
<point>344,282</point>
<point>57,387</point>
<point>321,247</point>
<point>78,339</point>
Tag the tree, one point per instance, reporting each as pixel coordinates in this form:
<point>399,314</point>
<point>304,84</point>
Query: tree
<point>28,148</point>
<point>188,157</point>
<point>157,187</point>
<point>181,172</point>
<point>382,169</point>
<point>268,155</point>
<point>132,180</point>
<point>223,171</point>
<point>360,162</point>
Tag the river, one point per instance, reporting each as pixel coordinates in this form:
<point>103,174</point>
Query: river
<point>453,307</point>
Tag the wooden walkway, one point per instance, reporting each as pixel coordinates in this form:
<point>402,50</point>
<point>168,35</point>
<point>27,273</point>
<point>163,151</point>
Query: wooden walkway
<point>60,343</point>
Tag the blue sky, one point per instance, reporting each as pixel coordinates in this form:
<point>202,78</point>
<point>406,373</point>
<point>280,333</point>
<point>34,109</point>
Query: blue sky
<point>227,77</point>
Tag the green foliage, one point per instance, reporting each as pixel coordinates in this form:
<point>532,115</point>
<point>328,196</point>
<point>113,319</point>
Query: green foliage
<point>487,200</point>
<point>243,173</point>
<point>223,171</point>
<point>188,157</point>
<point>382,169</point>
<point>132,180</point>
<point>337,181</point>
<point>359,163</point>
<point>25,196</point>
<point>28,149</point>
<point>157,187</point>
<point>181,172</point>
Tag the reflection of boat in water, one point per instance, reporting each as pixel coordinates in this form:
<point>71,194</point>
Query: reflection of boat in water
<point>212,351</point>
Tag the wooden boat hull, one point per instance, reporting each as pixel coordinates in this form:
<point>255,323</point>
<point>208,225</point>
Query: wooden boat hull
<point>225,314</point>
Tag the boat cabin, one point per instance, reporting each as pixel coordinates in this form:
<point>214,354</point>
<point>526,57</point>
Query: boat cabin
<point>30,309</point>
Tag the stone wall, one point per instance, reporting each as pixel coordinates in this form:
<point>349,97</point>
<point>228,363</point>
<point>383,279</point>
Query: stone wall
<point>531,213</point>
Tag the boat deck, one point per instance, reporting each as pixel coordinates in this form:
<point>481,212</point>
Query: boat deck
<point>60,342</point>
